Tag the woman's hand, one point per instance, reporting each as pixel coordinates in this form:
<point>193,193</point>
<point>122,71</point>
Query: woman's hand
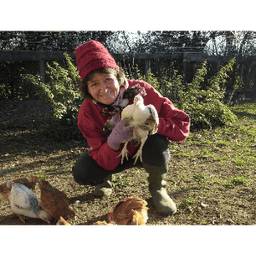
<point>119,134</point>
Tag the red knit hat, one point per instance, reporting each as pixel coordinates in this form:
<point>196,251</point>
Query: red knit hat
<point>93,55</point>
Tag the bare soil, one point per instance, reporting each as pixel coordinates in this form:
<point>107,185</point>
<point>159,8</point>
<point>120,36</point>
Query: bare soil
<point>211,175</point>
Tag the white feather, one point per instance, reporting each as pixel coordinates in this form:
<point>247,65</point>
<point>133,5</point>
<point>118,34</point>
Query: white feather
<point>137,115</point>
<point>23,201</point>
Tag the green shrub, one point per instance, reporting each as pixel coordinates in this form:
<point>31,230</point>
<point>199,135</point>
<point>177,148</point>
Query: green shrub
<point>12,87</point>
<point>205,106</point>
<point>62,90</point>
<point>61,93</point>
<point>200,99</point>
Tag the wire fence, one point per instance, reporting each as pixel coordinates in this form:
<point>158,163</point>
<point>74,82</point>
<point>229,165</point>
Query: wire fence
<point>23,52</point>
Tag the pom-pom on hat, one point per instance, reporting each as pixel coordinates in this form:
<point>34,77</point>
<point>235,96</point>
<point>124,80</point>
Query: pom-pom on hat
<point>91,56</point>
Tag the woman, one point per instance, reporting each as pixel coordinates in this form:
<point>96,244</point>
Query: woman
<point>107,92</point>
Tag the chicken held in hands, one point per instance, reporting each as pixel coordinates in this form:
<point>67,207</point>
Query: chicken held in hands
<point>145,121</point>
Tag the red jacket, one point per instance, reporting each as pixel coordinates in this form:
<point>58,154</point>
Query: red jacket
<point>173,123</point>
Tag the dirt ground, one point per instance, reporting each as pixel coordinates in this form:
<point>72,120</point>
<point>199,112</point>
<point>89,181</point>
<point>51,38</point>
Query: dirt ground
<point>209,176</point>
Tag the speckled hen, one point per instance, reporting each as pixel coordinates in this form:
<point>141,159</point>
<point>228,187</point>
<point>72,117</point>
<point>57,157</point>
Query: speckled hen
<point>24,202</point>
<point>54,202</point>
<point>29,184</point>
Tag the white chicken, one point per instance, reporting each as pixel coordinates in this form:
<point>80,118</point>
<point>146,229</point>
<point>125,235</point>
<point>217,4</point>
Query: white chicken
<point>24,202</point>
<point>145,121</point>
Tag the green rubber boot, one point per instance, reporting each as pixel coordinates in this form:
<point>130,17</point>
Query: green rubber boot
<point>105,188</point>
<point>163,203</point>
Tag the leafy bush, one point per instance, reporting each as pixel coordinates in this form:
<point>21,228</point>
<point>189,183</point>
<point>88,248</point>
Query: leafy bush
<point>61,93</point>
<point>205,106</point>
<point>12,87</point>
<point>201,100</point>
<point>62,90</point>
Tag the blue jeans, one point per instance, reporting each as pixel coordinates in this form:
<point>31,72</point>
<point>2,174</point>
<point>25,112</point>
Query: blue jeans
<point>155,152</point>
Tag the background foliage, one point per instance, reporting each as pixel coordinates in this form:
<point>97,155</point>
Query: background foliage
<point>61,93</point>
<point>209,43</point>
<point>201,99</point>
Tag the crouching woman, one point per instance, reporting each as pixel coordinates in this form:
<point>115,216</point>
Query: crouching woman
<point>107,92</point>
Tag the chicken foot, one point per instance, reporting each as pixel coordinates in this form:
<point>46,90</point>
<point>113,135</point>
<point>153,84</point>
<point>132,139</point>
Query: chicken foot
<point>124,153</point>
<point>139,152</point>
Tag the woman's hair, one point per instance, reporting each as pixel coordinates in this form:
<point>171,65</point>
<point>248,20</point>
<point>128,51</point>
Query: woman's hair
<point>119,74</point>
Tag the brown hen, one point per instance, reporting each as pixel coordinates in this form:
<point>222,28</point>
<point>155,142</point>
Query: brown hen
<point>54,202</point>
<point>129,211</point>
<point>29,184</point>
<point>62,221</point>
<point>100,223</point>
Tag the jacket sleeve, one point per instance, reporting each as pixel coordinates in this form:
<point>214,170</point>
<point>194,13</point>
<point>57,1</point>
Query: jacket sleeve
<point>90,123</point>
<point>173,123</point>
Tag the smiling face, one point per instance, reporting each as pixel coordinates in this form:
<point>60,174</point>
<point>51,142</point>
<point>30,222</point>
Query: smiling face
<point>104,88</point>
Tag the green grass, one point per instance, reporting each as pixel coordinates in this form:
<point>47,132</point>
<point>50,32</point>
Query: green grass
<point>200,178</point>
<point>187,202</point>
<point>183,154</point>
<point>223,143</point>
<point>42,176</point>
<point>52,169</point>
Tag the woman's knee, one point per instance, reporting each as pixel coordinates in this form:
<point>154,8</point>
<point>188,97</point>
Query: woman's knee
<point>156,151</point>
<point>79,170</point>
<point>87,172</point>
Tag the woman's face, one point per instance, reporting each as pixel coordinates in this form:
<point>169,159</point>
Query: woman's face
<point>104,88</point>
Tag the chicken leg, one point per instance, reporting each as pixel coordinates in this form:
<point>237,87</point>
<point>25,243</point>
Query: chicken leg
<point>22,218</point>
<point>139,152</point>
<point>124,153</point>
